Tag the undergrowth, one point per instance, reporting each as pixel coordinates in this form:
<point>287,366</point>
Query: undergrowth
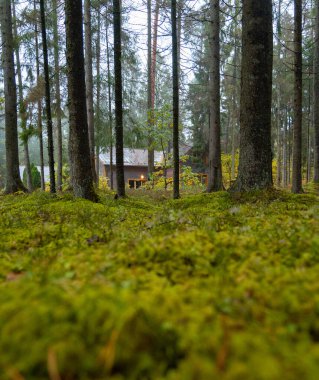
<point>207,287</point>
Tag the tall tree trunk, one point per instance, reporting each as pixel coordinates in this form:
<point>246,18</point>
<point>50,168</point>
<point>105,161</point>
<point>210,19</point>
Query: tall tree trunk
<point>109,107</point>
<point>149,88</point>
<point>215,182</point>
<point>39,103</point>
<point>118,98</point>
<point>289,147</point>
<point>47,99</point>
<point>180,6</point>
<point>279,155</point>
<point>153,87</point>
<point>316,95</point>
<point>234,103</point>
<point>57,94</point>
<point>82,177</point>
<point>22,106</point>
<point>89,79</point>
<point>98,93</point>
<point>279,111</point>
<point>308,174</point>
<point>13,180</point>
<point>176,193</point>
<point>297,129</point>
<point>255,163</point>
<point>285,153</point>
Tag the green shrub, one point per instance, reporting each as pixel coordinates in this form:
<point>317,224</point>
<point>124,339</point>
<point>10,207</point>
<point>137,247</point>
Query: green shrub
<point>35,175</point>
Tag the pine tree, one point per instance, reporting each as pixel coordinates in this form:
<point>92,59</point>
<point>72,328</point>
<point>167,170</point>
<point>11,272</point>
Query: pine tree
<point>118,98</point>
<point>215,167</point>
<point>297,128</point>
<point>13,180</point>
<point>176,193</point>
<point>47,98</point>
<point>316,95</point>
<point>255,163</point>
<point>79,150</point>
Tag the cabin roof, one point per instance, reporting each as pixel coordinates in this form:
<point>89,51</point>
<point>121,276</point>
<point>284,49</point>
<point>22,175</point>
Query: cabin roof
<point>132,157</point>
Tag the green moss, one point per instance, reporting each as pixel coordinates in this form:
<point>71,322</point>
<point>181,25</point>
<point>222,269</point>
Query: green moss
<point>210,286</point>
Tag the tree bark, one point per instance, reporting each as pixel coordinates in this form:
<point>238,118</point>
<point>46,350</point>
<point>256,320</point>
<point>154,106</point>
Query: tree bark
<point>285,151</point>
<point>153,86</point>
<point>47,99</point>
<point>118,98</point>
<point>98,93</point>
<point>109,107</point>
<point>289,146</point>
<point>235,112</point>
<point>279,144</point>
<point>149,87</point>
<point>57,95</point>
<point>176,192</point>
<point>82,178</point>
<point>22,107</point>
<point>316,95</point>
<point>297,128</point>
<point>215,182</point>
<point>255,163</point>
<point>279,109</point>
<point>89,79</point>
<point>39,105</point>
<point>13,180</point>
<point>309,143</point>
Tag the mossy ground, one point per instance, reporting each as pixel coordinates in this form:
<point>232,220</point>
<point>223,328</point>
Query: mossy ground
<point>206,287</point>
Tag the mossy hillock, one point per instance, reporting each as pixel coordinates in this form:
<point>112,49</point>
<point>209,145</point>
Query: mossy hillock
<point>211,286</point>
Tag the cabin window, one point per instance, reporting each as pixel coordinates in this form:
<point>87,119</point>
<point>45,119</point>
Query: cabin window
<point>135,183</point>
<point>203,178</point>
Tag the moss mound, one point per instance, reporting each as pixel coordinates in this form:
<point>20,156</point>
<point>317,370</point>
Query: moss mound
<point>210,286</point>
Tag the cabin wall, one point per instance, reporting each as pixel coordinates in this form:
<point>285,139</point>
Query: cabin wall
<point>130,172</point>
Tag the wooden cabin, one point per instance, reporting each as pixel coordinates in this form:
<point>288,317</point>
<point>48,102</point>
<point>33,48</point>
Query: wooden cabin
<point>135,166</point>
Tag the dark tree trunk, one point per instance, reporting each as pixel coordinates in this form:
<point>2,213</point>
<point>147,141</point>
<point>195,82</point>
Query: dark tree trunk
<point>235,119</point>
<point>279,145</point>
<point>176,193</point>
<point>89,79</point>
<point>316,95</point>
<point>47,99</point>
<point>235,113</point>
<point>297,128</point>
<point>82,178</point>
<point>57,94</point>
<point>255,163</point>
<point>13,180</point>
<point>309,142</point>
<point>279,107</point>
<point>118,98</point>
<point>98,94</point>
<point>289,146</point>
<point>215,182</point>
<point>285,151</point>
<point>153,87</point>
<point>149,87</point>
<point>110,107</point>
<point>180,7</point>
<point>39,103</point>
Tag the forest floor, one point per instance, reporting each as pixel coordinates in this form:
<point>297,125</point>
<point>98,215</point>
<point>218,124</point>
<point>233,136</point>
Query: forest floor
<point>207,287</point>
